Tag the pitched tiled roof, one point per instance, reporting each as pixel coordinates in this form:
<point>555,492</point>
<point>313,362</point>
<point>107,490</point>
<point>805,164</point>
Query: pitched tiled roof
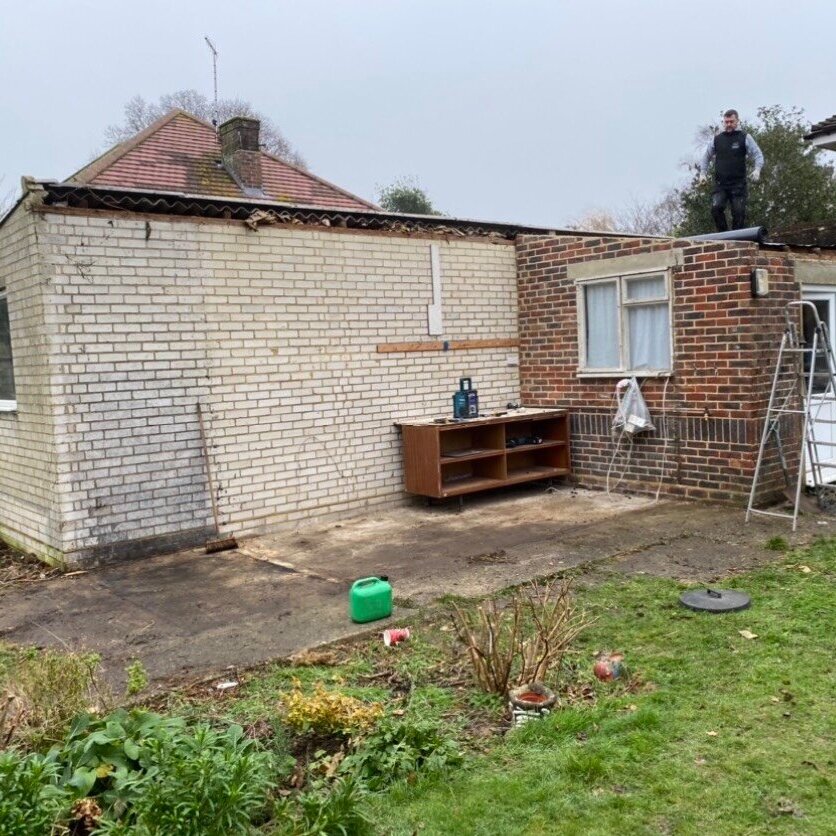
<point>826,126</point>
<point>181,153</point>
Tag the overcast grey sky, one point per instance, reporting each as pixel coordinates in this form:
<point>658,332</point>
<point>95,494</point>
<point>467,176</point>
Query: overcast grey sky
<point>533,112</point>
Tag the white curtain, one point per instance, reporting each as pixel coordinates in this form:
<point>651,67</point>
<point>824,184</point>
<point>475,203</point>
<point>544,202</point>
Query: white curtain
<point>601,303</point>
<point>649,336</point>
<point>651,287</point>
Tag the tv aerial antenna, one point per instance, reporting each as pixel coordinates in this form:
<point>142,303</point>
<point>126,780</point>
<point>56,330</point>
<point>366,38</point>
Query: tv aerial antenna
<point>215,116</point>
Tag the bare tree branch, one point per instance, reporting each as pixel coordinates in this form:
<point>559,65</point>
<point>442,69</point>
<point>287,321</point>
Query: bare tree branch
<point>7,199</point>
<point>140,113</point>
<point>637,217</point>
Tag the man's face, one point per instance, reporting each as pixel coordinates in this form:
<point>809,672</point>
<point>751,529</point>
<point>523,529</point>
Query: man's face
<point>730,123</point>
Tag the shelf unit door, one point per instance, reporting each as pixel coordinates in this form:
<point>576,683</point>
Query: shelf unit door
<point>421,456</point>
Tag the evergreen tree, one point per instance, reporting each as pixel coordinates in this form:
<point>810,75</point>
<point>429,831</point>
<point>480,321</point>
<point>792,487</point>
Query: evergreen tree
<point>797,185</point>
<point>406,196</point>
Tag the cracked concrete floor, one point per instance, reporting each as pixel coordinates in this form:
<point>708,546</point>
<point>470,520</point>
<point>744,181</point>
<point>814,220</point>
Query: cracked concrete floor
<point>189,613</point>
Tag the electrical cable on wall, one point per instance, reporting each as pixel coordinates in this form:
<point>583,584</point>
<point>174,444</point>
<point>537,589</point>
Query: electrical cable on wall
<point>663,422</point>
<point>632,418</point>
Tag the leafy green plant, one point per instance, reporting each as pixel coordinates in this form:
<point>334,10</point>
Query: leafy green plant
<point>31,799</point>
<point>100,754</point>
<point>777,544</point>
<point>328,809</point>
<point>137,678</point>
<point>195,782</point>
<point>149,773</point>
<point>400,748</point>
<point>45,690</point>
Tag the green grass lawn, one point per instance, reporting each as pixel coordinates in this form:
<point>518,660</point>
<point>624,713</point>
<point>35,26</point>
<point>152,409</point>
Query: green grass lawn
<point>709,733</point>
<point>726,735</point>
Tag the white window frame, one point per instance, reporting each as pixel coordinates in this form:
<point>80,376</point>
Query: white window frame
<point>7,405</point>
<point>624,304</point>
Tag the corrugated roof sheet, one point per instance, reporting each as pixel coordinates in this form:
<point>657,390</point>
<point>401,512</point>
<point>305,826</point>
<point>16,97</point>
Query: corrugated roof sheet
<point>256,213</point>
<point>180,153</point>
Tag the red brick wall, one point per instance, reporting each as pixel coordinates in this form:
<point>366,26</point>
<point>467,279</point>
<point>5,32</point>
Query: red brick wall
<point>725,346</point>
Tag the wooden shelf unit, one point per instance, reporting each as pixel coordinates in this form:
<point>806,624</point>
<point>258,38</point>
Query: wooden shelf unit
<point>443,460</point>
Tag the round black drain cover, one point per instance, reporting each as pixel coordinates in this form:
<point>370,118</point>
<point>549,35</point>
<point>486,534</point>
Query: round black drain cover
<point>715,600</point>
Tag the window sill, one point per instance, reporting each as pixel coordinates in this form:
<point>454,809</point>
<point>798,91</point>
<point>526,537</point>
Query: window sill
<point>625,373</point>
<point>8,406</point>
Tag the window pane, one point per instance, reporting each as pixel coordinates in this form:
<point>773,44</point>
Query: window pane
<point>601,302</point>
<point>7,381</point>
<point>648,287</point>
<point>821,378</point>
<point>649,337</point>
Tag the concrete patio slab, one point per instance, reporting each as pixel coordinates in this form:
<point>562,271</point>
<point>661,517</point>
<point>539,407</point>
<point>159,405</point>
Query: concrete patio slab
<point>190,613</point>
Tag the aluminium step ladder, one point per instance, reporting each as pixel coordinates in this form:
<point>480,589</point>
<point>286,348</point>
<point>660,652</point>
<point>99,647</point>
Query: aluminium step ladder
<point>803,384</point>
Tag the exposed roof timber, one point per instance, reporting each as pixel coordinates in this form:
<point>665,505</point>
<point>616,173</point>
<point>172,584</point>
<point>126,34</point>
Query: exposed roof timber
<point>171,203</point>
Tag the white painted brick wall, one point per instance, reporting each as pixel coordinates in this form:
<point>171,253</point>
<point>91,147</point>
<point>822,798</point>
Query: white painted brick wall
<point>29,513</point>
<point>275,332</point>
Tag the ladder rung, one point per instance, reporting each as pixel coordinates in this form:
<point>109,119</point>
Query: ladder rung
<point>771,513</point>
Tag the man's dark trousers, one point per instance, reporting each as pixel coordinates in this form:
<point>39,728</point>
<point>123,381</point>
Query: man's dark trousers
<point>725,193</point>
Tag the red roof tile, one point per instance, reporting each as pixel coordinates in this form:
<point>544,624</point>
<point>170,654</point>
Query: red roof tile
<point>181,153</point>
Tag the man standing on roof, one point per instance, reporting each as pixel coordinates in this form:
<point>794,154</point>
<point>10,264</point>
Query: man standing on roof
<point>730,148</point>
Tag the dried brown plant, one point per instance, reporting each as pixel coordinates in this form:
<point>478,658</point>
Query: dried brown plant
<point>521,641</point>
<point>43,690</point>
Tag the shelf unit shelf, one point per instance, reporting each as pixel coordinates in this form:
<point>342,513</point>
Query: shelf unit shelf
<point>444,459</point>
<point>529,474</point>
<point>521,448</point>
<point>459,487</point>
<point>469,455</point>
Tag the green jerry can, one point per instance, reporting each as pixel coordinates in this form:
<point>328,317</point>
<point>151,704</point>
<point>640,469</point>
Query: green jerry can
<point>370,599</point>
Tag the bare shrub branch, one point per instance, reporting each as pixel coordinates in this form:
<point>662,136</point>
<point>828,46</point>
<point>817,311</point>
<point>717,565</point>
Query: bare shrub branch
<point>520,642</point>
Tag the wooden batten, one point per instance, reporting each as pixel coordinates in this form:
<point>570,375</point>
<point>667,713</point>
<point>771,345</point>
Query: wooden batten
<point>446,345</point>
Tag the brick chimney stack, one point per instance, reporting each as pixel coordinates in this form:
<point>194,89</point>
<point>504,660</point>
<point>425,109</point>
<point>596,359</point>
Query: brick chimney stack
<point>241,155</point>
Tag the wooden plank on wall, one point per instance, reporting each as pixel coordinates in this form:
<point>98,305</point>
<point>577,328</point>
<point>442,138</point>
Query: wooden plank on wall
<point>446,345</point>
